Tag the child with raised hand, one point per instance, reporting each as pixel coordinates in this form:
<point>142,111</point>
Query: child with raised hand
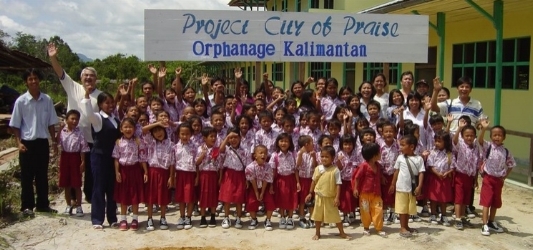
<point>440,177</point>
<point>266,135</point>
<point>390,149</point>
<point>207,163</point>
<point>232,180</point>
<point>326,189</point>
<point>160,159</point>
<point>466,169</point>
<point>131,172</point>
<point>497,166</point>
<point>260,176</point>
<point>187,175</point>
<point>72,159</point>
<point>366,189</point>
<point>244,123</point>
<point>347,161</point>
<point>405,184</point>
<point>286,180</point>
<point>306,163</point>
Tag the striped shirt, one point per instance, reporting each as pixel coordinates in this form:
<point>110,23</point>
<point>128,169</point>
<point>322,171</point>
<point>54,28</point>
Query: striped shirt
<point>473,109</point>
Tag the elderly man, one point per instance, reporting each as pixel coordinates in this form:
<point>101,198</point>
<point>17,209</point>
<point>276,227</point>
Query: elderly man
<point>33,122</point>
<point>76,93</point>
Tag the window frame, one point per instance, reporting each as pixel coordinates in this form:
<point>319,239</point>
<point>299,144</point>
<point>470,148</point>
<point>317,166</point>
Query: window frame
<point>277,74</point>
<point>320,69</point>
<point>371,69</point>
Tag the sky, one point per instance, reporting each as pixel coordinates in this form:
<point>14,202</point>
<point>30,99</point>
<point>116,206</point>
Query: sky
<point>95,28</point>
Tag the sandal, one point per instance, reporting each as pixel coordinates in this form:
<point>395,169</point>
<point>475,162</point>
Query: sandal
<point>413,231</point>
<point>383,234</point>
<point>98,227</point>
<point>366,232</point>
<point>406,234</point>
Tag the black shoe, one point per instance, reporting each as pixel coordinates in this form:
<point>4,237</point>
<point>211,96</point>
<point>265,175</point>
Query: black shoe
<point>46,210</point>
<point>28,213</point>
<point>203,222</point>
<point>212,221</point>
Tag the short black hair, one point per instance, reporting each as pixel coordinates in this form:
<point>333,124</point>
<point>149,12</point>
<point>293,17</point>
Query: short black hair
<point>434,119</point>
<point>207,131</point>
<point>73,112</point>
<point>284,136</point>
<point>370,150</point>
<point>184,125</point>
<point>265,113</point>
<point>410,140</point>
<point>499,127</point>
<point>304,139</point>
<point>33,71</point>
<point>330,150</point>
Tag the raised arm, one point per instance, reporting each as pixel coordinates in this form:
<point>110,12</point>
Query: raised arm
<point>87,108</point>
<point>461,125</point>
<point>205,89</point>
<point>161,82</point>
<point>238,77</point>
<point>484,126</point>
<point>52,53</point>
<point>437,86</point>
<point>154,72</point>
<point>177,84</point>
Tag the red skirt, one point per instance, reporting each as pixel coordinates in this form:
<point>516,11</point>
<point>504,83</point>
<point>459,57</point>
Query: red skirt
<point>305,185</point>
<point>347,201</point>
<point>69,169</point>
<point>130,191</point>
<point>439,190</point>
<point>252,203</point>
<point>156,189</point>
<point>286,195</point>
<point>388,199</point>
<point>208,189</point>
<point>185,188</point>
<point>462,184</point>
<point>233,187</point>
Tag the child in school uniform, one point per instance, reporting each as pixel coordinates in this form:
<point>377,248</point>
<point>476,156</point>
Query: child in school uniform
<point>367,187</point>
<point>348,158</point>
<point>286,180</point>
<point>160,160</point>
<point>260,175</point>
<point>207,163</point>
<point>403,182</point>
<point>389,153</point>
<point>326,189</point>
<point>497,166</point>
<point>306,163</point>
<point>130,172</point>
<point>266,135</point>
<point>72,160</point>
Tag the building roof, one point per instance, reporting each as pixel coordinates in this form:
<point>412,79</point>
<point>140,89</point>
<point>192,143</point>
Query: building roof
<point>247,3</point>
<point>15,60</point>
<point>393,5</point>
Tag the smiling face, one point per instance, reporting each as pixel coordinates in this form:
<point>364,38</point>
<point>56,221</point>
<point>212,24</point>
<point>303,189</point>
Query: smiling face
<point>464,90</point>
<point>108,106</point>
<point>127,129</point>
<point>379,83</point>
<point>366,90</point>
<point>443,96</point>
<point>260,155</point>
<point>407,81</point>
<point>88,78</point>
<point>33,83</point>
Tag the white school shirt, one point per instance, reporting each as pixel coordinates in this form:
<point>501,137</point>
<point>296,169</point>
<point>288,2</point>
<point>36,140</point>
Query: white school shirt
<point>403,184</point>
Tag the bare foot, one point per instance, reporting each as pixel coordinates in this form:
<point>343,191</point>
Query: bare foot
<point>316,237</point>
<point>344,236</point>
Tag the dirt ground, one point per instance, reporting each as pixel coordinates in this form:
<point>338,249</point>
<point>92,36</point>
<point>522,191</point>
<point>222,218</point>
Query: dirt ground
<point>70,232</point>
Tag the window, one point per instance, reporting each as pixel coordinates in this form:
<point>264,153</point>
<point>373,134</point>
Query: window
<point>478,61</point>
<point>315,4</point>
<point>298,5</point>
<point>320,69</point>
<point>277,72</point>
<point>284,6</point>
<point>328,4</point>
<point>349,75</point>
<point>372,69</point>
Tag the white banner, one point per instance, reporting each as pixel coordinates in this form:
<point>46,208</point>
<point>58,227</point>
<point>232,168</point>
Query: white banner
<point>207,35</point>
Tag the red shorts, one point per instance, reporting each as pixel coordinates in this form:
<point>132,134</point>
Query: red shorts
<point>252,203</point>
<point>439,190</point>
<point>347,201</point>
<point>462,185</point>
<point>208,195</point>
<point>156,189</point>
<point>491,192</point>
<point>233,187</point>
<point>286,195</point>
<point>388,199</point>
<point>185,189</point>
<point>305,185</point>
<point>69,169</point>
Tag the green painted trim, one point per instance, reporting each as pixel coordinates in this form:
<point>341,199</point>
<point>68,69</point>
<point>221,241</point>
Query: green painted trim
<point>399,76</point>
<point>498,24</point>
<point>344,74</point>
<point>482,11</point>
<point>441,31</point>
<point>309,66</point>
<point>432,25</point>
<point>308,5</point>
<point>283,74</point>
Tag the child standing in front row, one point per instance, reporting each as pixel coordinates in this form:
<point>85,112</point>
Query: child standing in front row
<point>72,161</point>
<point>160,159</point>
<point>130,172</point>
<point>405,199</point>
<point>367,187</point>
<point>260,175</point>
<point>187,176</point>
<point>497,166</point>
<point>326,189</point>
<point>208,166</point>
<point>306,163</point>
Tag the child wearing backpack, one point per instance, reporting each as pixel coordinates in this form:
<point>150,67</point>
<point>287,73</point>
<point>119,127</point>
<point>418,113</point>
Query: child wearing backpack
<point>497,166</point>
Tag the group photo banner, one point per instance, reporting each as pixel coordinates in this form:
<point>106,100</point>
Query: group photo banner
<point>222,35</point>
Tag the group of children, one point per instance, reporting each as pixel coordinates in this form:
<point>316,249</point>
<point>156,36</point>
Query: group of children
<point>320,151</point>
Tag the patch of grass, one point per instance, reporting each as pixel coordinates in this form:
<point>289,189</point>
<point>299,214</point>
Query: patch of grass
<point>9,195</point>
<point>7,141</point>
